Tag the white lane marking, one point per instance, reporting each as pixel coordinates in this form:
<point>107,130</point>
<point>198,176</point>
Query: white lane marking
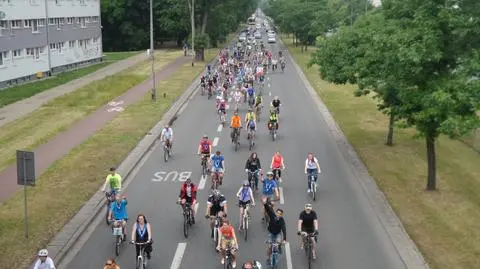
<point>196,209</point>
<point>269,85</point>
<point>215,141</point>
<point>177,259</point>
<point>288,256</point>
<point>219,128</point>
<point>202,182</point>
<point>269,93</point>
<point>282,199</point>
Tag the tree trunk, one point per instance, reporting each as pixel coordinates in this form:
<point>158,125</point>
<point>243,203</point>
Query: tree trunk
<point>306,47</point>
<point>432,167</point>
<point>390,129</point>
<point>204,22</point>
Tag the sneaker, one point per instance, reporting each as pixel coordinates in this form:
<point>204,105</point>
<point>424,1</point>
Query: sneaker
<point>222,261</point>
<point>309,190</point>
<point>149,256</point>
<point>234,264</point>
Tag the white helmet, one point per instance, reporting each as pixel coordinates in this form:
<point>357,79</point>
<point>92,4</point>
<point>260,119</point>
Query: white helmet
<point>258,265</point>
<point>43,253</point>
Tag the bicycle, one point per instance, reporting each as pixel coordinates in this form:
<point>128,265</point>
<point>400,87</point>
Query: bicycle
<point>166,150</point>
<point>235,139</point>
<point>258,111</point>
<point>142,257</point>
<point>117,231</point>
<point>187,217</point>
<point>228,258</point>
<point>110,196</point>
<point>245,221</point>
<point>275,256</point>
<point>308,246</point>
<point>312,183</point>
<point>276,174</point>
<point>251,139</point>
<point>216,227</point>
<point>215,180</point>
<point>273,130</point>
<point>204,165</point>
<point>223,117</point>
<point>253,179</point>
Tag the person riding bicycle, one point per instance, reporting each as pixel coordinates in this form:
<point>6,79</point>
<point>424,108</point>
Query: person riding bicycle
<point>270,189</point>
<point>245,197</point>
<point>44,262</point>
<point>251,95</point>
<point>274,63</point>
<point>222,106</point>
<point>218,165</point>
<point>118,212</point>
<point>110,264</point>
<point>250,120</point>
<point>235,124</point>
<point>312,167</point>
<point>114,181</point>
<point>258,102</point>
<point>277,165</point>
<point>188,194</point>
<point>276,226</point>
<point>167,136</point>
<point>252,265</point>
<point>216,206</point>
<point>228,239</point>
<point>308,224</point>
<point>205,147</point>
<point>142,233</point>
<point>273,121</point>
<point>276,104</point>
<point>253,165</point>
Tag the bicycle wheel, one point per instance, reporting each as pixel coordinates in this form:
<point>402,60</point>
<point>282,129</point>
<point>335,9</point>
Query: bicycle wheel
<point>313,187</point>
<point>236,145</point>
<point>165,154</point>
<point>185,226</point>
<point>107,213</point>
<point>250,144</point>
<point>245,225</point>
<point>139,263</point>
<point>274,260</point>
<point>118,241</point>
<point>309,255</point>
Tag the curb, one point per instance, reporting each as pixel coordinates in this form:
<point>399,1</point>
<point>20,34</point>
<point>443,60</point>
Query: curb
<point>402,242</point>
<point>61,243</point>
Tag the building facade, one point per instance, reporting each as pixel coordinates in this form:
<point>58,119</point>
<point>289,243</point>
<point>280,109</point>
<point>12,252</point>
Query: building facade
<point>42,37</point>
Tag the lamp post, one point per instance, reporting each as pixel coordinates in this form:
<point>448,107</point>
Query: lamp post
<point>152,53</point>
<point>191,5</point>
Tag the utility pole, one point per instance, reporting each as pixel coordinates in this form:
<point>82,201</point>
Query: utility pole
<point>152,53</point>
<point>192,18</point>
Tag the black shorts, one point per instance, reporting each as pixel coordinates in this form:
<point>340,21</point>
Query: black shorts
<point>244,204</point>
<point>188,200</point>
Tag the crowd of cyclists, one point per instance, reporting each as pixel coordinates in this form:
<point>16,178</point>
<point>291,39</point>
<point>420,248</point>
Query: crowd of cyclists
<point>233,78</point>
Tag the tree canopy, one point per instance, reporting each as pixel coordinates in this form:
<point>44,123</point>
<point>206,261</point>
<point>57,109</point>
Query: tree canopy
<point>126,23</point>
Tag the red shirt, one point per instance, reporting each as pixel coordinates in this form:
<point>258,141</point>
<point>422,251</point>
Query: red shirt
<point>183,191</point>
<point>203,145</point>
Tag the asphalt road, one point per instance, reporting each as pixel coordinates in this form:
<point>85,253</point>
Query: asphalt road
<point>351,236</point>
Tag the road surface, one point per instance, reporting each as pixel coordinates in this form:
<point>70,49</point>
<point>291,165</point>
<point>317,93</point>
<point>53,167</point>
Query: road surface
<point>351,236</point>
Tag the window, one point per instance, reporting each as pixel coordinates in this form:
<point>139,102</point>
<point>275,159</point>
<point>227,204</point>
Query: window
<point>60,46</point>
<point>3,27</point>
<point>29,52</point>
<point>71,44</point>
<point>27,23</point>
<point>53,47</point>
<point>51,21</point>
<point>34,26</point>
<point>15,24</point>
<point>82,22</point>
<point>1,58</point>
<point>78,20</point>
<point>41,22</point>
<point>61,20</point>
<point>69,20</point>
<point>57,2</point>
<point>36,54</point>
<point>82,2</point>
<point>57,22</point>
<point>95,40</point>
<point>17,53</point>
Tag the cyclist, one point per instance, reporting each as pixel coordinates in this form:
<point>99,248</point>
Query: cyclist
<point>252,265</point>
<point>118,212</point>
<point>307,224</point>
<point>218,165</point>
<point>273,120</point>
<point>251,95</point>
<point>258,102</point>
<point>270,189</point>
<point>245,197</point>
<point>276,226</point>
<point>216,206</point>
<point>253,165</point>
<point>276,104</point>
<point>111,264</point>
<point>235,124</point>
<point>205,147</point>
<point>250,116</point>
<point>188,194</point>
<point>142,233</point>
<point>237,97</point>
<point>277,165</point>
<point>228,239</point>
<point>44,262</point>
<point>167,136</point>
<point>222,106</point>
<point>311,168</point>
<point>114,181</point>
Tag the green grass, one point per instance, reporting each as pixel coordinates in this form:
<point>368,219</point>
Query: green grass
<point>20,92</point>
<point>85,166</point>
<point>57,115</point>
<point>444,224</point>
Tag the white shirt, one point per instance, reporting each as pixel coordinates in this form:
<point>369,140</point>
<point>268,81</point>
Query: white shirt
<point>167,133</point>
<point>237,95</point>
<point>312,164</point>
<point>48,264</point>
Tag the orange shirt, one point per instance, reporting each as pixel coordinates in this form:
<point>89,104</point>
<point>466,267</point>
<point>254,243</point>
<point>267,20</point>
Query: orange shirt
<point>236,122</point>
<point>227,232</point>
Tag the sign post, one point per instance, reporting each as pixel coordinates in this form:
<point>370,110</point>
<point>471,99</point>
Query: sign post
<point>25,176</point>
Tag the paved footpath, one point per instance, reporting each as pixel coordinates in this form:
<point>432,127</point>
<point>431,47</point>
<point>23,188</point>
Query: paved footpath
<point>46,154</point>
<point>21,108</point>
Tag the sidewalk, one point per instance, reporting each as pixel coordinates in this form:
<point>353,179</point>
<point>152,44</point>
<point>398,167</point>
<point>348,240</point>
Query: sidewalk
<point>21,108</point>
<point>48,153</point>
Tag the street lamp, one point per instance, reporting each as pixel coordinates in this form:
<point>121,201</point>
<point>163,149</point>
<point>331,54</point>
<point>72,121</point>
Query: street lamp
<point>152,53</point>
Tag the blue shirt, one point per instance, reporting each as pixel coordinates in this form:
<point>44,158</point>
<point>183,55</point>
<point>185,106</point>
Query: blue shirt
<point>217,161</point>
<point>268,186</point>
<point>250,91</point>
<point>119,210</point>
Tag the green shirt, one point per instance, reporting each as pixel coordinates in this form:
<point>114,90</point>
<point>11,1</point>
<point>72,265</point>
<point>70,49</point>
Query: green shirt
<point>115,181</point>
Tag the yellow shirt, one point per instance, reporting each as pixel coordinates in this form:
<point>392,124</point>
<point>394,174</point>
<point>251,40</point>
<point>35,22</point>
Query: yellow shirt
<point>236,122</point>
<point>250,116</point>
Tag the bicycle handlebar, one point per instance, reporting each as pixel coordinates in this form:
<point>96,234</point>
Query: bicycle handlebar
<point>140,243</point>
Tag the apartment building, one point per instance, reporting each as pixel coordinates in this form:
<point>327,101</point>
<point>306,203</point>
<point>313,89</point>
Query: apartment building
<point>41,37</point>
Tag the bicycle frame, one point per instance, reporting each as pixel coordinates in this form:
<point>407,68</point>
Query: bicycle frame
<point>275,252</point>
<point>141,258</point>
<point>308,246</point>
<point>253,176</point>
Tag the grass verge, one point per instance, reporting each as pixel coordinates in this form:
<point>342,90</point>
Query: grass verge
<point>444,224</point>
<point>38,127</point>
<point>86,166</point>
<point>20,92</point>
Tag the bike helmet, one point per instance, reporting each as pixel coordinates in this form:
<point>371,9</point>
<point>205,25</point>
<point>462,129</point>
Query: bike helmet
<point>269,173</point>
<point>308,206</point>
<point>205,136</point>
<point>43,253</point>
<point>275,98</point>
<point>250,110</point>
<point>188,180</point>
<point>246,183</point>
<point>216,193</point>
